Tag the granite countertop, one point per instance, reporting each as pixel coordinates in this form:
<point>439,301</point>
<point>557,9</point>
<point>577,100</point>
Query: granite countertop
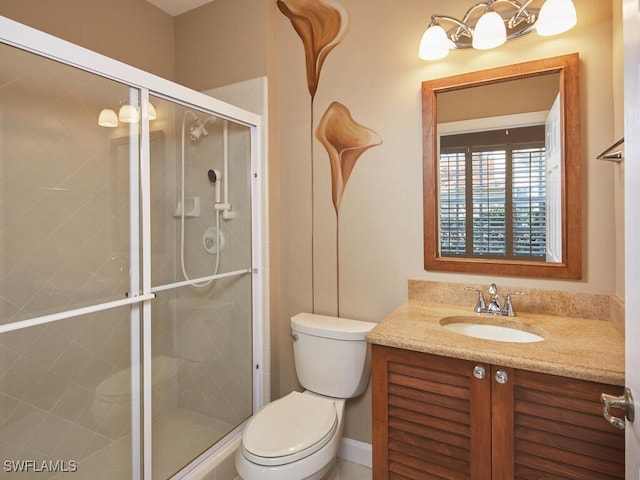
<point>574,347</point>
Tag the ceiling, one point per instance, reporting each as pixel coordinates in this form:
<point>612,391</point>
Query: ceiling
<point>176,7</point>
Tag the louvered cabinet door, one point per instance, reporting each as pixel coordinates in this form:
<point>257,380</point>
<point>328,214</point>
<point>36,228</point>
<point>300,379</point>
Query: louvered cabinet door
<point>557,430</point>
<point>431,417</point>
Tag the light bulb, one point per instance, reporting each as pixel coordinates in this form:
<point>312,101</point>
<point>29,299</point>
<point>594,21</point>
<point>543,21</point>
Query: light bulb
<point>107,118</point>
<point>151,111</point>
<point>556,16</point>
<point>434,44</point>
<point>490,31</point>
<point>129,114</point>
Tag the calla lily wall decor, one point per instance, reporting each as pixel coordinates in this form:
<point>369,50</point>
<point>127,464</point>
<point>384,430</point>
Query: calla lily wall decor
<point>322,25</point>
<point>345,141</point>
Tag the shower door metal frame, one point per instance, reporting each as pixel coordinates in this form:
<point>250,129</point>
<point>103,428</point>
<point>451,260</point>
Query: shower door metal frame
<point>141,291</point>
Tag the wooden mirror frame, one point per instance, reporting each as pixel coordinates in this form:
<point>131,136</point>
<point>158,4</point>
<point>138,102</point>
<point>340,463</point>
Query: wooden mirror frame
<point>571,265</point>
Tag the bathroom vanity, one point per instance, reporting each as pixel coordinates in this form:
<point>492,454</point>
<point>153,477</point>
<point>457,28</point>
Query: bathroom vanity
<point>448,405</point>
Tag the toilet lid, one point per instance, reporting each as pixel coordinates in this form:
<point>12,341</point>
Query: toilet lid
<point>290,428</point>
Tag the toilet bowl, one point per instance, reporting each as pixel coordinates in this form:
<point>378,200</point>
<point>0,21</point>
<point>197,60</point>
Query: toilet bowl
<point>111,408</point>
<point>297,436</point>
<point>293,438</point>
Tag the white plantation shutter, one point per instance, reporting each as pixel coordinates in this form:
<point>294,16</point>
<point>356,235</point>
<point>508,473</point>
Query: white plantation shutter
<point>488,202</point>
<point>529,202</point>
<point>453,234</point>
<point>492,197</point>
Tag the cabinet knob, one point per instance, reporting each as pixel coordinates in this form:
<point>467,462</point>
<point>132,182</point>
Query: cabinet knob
<point>502,377</point>
<point>479,372</point>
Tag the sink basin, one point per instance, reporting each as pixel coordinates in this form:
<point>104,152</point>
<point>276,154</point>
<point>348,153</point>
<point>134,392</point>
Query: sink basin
<point>493,328</point>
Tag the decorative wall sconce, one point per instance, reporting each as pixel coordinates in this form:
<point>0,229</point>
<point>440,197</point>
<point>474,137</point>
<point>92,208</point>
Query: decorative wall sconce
<point>126,114</point>
<point>490,24</point>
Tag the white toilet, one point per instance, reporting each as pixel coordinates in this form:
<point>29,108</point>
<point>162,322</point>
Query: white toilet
<point>297,437</point>
<point>111,408</point>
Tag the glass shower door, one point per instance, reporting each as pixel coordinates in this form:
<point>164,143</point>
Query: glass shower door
<point>201,321</point>
<point>67,366</point>
<point>127,278</point>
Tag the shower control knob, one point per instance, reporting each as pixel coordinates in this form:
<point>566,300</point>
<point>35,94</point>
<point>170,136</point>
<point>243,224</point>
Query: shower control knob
<point>479,372</point>
<point>213,240</point>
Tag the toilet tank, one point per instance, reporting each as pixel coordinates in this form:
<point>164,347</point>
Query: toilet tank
<point>331,355</point>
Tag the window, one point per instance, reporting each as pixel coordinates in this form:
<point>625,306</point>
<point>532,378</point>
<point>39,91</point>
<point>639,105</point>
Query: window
<point>493,195</point>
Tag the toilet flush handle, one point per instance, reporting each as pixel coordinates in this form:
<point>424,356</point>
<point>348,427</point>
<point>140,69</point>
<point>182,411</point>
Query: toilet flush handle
<point>294,336</point>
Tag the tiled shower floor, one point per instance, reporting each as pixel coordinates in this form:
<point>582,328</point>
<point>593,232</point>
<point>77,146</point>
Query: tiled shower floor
<point>179,436</point>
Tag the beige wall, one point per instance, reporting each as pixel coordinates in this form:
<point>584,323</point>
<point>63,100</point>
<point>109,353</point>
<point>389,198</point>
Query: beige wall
<point>113,28</point>
<point>221,43</point>
<point>376,73</point>
<point>214,45</point>
<point>618,121</point>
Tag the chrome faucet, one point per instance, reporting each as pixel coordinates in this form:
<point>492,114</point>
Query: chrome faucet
<point>481,306</point>
<point>494,302</point>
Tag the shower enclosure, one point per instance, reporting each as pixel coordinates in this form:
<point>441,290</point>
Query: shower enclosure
<point>130,286</point>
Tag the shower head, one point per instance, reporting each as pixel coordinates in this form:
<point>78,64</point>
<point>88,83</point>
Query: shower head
<point>198,128</point>
<point>214,175</point>
<point>195,131</point>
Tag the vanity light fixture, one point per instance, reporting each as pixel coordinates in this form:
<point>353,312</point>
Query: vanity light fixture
<point>556,16</point>
<point>151,111</point>
<point>490,24</point>
<point>126,114</point>
<point>490,31</point>
<point>108,118</point>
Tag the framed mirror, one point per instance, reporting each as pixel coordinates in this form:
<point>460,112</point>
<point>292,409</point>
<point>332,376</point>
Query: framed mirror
<point>501,166</point>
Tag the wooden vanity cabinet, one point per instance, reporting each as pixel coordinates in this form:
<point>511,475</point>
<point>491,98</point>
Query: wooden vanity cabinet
<point>434,419</point>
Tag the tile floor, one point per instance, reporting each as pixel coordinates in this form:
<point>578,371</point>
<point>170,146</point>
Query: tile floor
<point>344,470</point>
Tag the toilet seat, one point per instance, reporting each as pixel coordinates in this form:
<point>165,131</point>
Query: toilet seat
<point>117,387</point>
<point>289,429</point>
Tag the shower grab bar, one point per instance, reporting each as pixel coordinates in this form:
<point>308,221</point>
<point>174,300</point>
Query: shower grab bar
<point>54,317</point>
<point>169,286</point>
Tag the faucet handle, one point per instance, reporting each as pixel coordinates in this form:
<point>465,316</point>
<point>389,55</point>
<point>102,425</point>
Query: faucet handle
<point>509,305</point>
<point>480,304</point>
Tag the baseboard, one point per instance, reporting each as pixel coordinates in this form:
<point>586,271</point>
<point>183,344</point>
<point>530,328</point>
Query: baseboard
<point>355,451</point>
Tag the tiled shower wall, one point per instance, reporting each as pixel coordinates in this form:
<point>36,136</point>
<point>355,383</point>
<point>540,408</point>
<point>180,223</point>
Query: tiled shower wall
<point>64,243</point>
<point>64,237</point>
<point>213,324</point>
<point>213,376</point>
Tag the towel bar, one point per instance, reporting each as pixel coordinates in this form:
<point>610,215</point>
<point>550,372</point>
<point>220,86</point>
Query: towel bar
<point>611,156</point>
